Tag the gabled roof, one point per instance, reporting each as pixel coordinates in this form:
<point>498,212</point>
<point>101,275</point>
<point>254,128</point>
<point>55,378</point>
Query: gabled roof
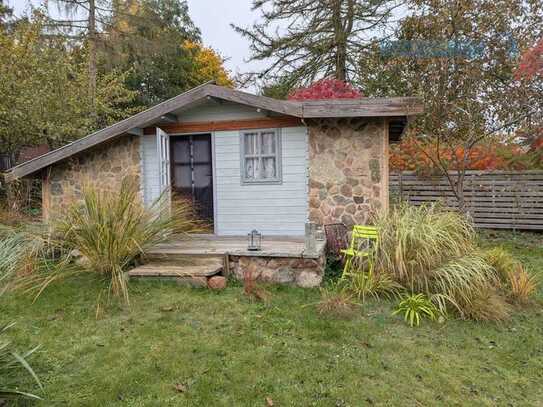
<point>368,107</point>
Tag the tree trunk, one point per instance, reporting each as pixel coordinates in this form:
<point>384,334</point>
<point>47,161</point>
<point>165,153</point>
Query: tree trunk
<point>92,55</point>
<point>340,42</point>
<point>340,64</point>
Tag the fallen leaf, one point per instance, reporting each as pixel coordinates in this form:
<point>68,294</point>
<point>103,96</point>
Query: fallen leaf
<point>269,402</point>
<point>180,387</point>
<point>166,308</point>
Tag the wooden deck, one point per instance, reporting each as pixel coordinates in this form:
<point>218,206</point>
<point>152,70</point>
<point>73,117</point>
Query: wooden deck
<point>209,245</point>
<point>196,259</point>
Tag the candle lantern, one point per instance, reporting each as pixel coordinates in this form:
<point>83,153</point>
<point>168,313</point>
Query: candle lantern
<point>255,240</point>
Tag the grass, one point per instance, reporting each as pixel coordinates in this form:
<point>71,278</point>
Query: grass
<point>182,346</point>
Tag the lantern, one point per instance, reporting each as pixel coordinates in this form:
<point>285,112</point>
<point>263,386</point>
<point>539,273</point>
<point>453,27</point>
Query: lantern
<point>255,240</point>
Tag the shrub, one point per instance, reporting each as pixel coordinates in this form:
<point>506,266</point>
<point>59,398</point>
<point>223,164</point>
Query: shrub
<point>414,307</point>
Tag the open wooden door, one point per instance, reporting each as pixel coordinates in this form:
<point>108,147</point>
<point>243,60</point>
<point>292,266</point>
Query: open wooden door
<point>163,154</point>
<point>192,170</point>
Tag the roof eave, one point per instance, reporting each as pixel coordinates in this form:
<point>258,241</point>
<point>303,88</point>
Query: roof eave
<point>139,119</point>
<point>378,107</point>
<point>309,109</point>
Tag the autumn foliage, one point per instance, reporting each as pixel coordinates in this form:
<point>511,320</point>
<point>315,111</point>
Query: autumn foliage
<point>414,156</point>
<point>531,63</point>
<point>326,89</point>
<point>208,65</point>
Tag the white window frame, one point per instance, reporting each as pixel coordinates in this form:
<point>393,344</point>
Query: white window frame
<point>278,179</point>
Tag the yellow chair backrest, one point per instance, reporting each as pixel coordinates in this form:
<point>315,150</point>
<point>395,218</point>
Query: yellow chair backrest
<point>367,235</point>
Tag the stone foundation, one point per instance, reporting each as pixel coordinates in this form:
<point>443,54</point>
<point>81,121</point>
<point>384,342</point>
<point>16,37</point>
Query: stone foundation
<point>300,272</point>
<point>102,168</point>
<point>348,169</point>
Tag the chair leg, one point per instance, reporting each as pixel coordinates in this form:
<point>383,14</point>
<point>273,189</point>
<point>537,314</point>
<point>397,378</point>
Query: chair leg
<point>347,266</point>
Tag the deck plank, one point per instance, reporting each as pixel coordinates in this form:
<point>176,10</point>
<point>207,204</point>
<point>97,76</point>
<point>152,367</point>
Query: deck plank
<point>237,246</point>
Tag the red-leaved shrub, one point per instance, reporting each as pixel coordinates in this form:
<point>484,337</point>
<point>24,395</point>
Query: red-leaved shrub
<point>326,89</point>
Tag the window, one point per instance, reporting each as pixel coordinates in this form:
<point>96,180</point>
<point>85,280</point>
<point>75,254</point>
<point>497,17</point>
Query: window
<point>261,157</point>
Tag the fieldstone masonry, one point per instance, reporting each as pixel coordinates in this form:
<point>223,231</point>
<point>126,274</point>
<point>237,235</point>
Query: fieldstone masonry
<point>103,168</point>
<point>348,170</point>
<point>302,272</point>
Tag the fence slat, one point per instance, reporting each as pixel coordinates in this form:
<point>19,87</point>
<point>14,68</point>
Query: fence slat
<point>498,199</point>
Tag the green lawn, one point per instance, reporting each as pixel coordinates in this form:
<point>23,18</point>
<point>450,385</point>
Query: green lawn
<point>224,350</point>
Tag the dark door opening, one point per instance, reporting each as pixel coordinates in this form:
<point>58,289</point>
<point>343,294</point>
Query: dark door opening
<point>192,172</point>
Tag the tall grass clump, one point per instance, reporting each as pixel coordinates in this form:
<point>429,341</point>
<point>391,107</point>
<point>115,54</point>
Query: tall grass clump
<point>337,300</point>
<point>522,286</point>
<point>12,365</point>
<point>432,251</point>
<point>467,283</point>
<point>502,261</point>
<point>364,280</point>
<point>518,284</point>
<point>26,251</point>
<point>105,231</point>
<point>110,230</point>
<point>413,241</point>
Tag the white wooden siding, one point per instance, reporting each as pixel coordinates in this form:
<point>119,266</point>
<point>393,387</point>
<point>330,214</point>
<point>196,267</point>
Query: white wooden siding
<point>149,169</point>
<point>271,209</point>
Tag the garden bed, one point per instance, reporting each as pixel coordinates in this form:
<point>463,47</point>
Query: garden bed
<point>180,346</point>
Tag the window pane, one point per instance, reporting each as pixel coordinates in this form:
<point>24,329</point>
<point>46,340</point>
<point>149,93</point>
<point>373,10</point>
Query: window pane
<point>181,150</point>
<point>268,168</point>
<point>182,177</point>
<point>202,175</point>
<point>250,143</point>
<point>268,142</point>
<point>251,168</point>
<point>201,148</point>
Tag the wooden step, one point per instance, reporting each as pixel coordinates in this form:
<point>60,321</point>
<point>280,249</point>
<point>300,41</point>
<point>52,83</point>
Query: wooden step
<point>193,271</point>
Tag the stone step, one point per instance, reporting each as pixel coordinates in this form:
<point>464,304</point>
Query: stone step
<point>188,270</point>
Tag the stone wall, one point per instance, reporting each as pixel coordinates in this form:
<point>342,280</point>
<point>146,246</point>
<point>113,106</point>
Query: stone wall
<point>103,167</point>
<point>348,169</point>
<point>301,272</point>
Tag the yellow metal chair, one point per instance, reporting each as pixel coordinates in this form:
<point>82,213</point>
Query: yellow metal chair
<point>364,239</point>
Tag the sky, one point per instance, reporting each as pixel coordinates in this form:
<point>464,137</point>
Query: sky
<point>213,17</point>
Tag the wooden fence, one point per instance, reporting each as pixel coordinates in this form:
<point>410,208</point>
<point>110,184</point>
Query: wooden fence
<point>498,199</point>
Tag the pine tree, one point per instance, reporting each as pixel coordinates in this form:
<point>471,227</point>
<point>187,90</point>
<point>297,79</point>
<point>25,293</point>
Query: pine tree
<point>310,39</point>
<point>82,20</point>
